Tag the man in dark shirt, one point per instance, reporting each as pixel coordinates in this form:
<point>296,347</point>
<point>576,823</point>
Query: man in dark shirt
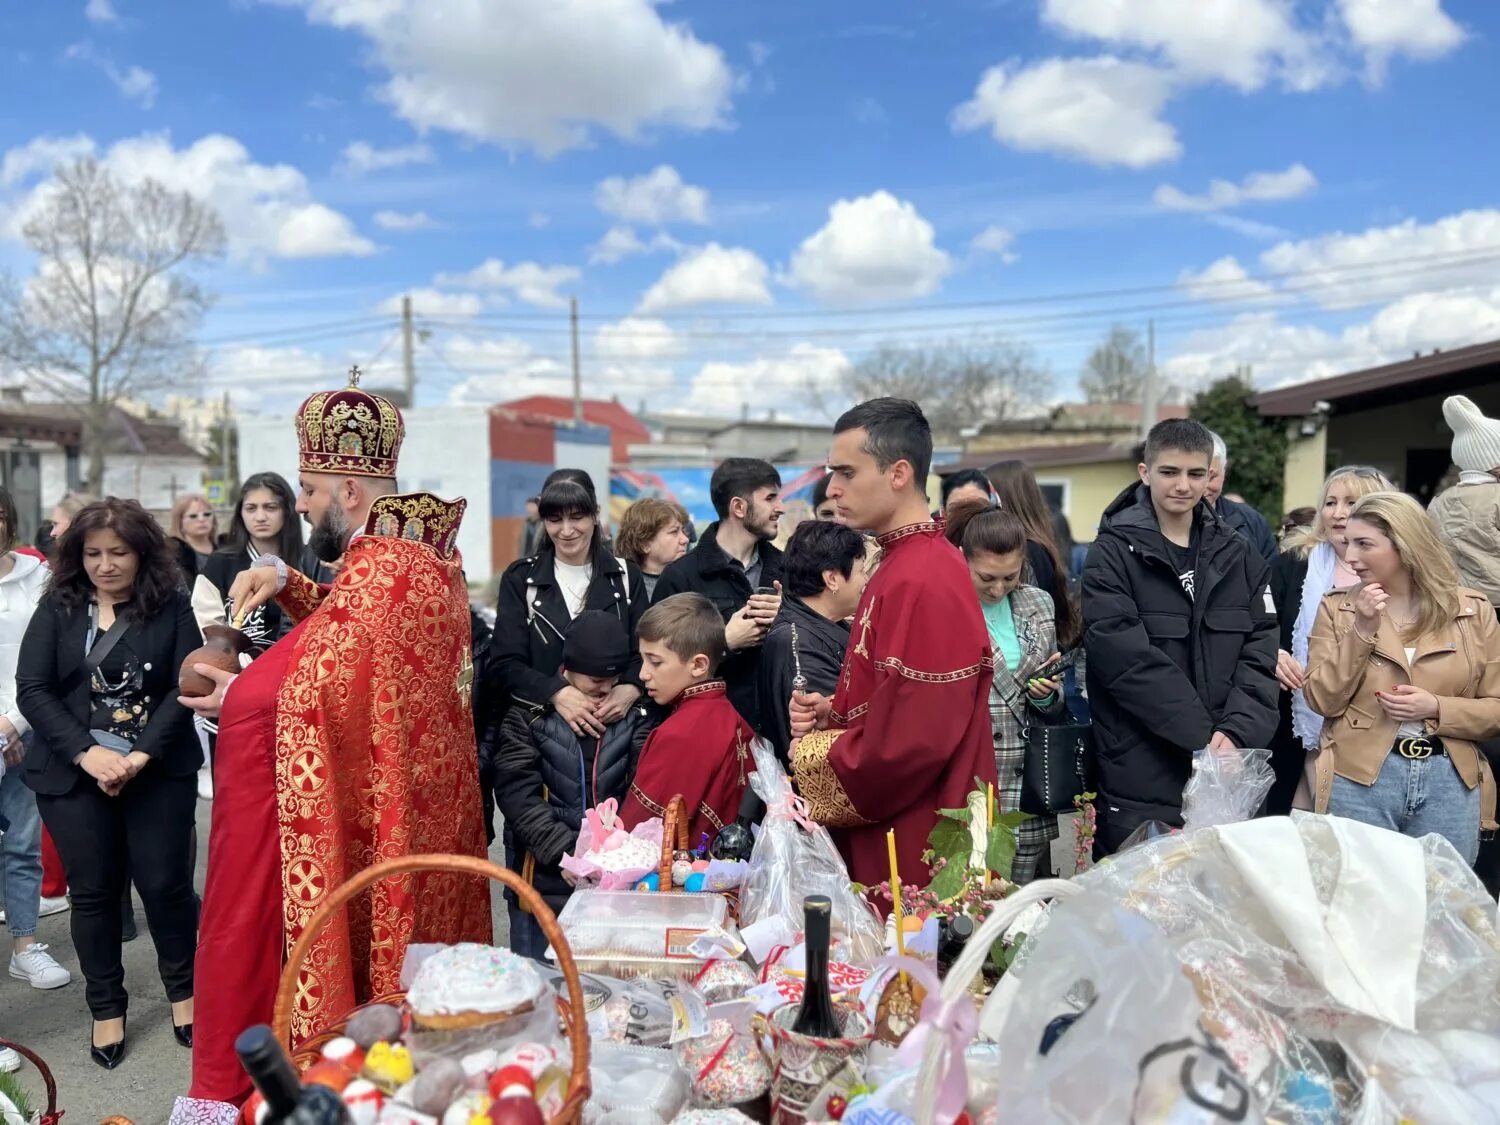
<point>1242,517</point>
<point>823,575</point>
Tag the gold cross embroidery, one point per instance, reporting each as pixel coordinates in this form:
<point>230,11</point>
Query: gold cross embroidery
<point>864,632</point>
<point>466,676</point>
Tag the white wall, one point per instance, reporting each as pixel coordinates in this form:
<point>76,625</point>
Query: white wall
<point>593,458</point>
<point>144,477</point>
<point>446,452</point>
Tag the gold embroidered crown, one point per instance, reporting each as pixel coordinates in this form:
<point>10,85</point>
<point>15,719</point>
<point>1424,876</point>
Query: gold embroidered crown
<point>349,432</point>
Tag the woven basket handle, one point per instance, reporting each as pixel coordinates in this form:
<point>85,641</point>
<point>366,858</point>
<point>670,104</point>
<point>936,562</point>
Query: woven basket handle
<point>51,1116</point>
<point>674,837</point>
<point>578,1035</point>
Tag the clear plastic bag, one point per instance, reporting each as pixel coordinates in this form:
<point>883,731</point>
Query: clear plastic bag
<point>1226,787</point>
<point>794,858</point>
<point>634,1083</point>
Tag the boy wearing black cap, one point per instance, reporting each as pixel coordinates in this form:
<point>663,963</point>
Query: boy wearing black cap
<point>546,775</point>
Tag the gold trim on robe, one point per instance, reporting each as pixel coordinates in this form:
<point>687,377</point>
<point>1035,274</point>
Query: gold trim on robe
<point>420,517</point>
<point>819,785</point>
<point>300,596</point>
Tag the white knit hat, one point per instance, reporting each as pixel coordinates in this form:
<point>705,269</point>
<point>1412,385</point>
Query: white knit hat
<point>1476,439</point>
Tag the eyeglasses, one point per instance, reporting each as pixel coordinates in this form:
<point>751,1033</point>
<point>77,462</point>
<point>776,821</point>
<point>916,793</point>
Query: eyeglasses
<point>199,516</point>
<point>1367,472</point>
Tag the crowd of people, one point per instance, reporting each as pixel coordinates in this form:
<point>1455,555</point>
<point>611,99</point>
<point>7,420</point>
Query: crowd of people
<point>890,655</point>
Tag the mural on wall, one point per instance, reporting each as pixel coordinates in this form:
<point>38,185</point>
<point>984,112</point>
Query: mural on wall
<point>689,487</point>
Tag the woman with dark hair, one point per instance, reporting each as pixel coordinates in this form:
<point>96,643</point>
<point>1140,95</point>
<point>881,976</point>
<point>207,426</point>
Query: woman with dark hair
<point>540,597</point>
<point>1019,493</point>
<point>114,754</point>
<point>1023,634</point>
<point>966,484</point>
<point>653,536</point>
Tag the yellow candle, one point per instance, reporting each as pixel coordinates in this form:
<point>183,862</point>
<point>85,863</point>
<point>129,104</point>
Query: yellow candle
<point>890,843</point>
<point>989,825</point>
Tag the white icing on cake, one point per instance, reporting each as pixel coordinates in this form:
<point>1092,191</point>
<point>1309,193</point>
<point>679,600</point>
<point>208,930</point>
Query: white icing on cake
<point>474,978</point>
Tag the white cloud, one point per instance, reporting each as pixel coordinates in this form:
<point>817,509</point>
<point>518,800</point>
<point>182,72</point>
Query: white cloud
<point>711,275</point>
<point>398,221</point>
<point>788,379</point>
<point>498,369</point>
<point>530,282</point>
<point>1419,29</point>
<point>100,11</point>
<point>434,302</point>
<point>536,73</point>
<point>657,198</point>
<point>997,241</point>
<point>1103,110</point>
<point>874,248</point>
<point>1249,228</point>
<point>621,242</point>
<point>257,377</point>
<point>41,155</point>
<point>135,83</point>
<point>1224,280</point>
<point>1241,42</point>
<point>635,338</point>
<point>361,157</point>
<point>267,209</point>
<point>538,219</point>
<point>1258,187</point>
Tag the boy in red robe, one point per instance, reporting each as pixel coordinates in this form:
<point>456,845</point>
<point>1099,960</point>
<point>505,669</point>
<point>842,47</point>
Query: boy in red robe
<point>702,749</point>
<point>908,730</point>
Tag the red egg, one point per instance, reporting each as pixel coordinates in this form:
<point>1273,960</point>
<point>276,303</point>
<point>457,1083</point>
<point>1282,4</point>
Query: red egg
<point>516,1111</point>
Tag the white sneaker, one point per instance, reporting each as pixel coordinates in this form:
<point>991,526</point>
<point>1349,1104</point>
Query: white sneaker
<point>50,906</point>
<point>36,967</point>
<point>10,1061</point>
<point>206,784</point>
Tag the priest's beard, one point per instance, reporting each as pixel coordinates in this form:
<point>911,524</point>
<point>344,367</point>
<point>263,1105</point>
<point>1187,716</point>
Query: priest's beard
<point>330,535</point>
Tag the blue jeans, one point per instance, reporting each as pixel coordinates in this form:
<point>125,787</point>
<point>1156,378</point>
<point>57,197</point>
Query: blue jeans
<point>526,937</point>
<point>20,855</point>
<point>1414,797</point>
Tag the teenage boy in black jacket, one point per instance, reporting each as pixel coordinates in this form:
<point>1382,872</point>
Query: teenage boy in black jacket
<point>546,775</point>
<point>1180,632</point>
<point>734,558</point>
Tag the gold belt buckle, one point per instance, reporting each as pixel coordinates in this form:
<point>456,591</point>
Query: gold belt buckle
<point>1416,749</point>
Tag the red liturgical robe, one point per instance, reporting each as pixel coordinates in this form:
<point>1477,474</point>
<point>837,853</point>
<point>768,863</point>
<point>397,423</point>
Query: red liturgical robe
<point>911,721</point>
<point>349,742</point>
<point>702,751</point>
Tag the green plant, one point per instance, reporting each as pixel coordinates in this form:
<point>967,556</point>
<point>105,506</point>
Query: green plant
<point>1257,445</point>
<point>11,1088</point>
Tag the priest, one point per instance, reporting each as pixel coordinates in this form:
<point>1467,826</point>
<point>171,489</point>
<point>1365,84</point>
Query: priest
<point>907,731</point>
<point>349,742</point>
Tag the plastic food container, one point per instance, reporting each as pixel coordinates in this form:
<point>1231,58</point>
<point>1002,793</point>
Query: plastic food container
<point>629,934</point>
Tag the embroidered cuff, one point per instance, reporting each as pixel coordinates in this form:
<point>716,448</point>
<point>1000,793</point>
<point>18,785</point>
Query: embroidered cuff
<point>272,560</point>
<point>819,786</point>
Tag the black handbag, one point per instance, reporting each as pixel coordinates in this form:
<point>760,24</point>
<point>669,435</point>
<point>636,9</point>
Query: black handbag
<point>1058,768</point>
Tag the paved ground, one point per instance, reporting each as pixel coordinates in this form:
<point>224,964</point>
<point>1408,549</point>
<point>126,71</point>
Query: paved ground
<point>56,1026</point>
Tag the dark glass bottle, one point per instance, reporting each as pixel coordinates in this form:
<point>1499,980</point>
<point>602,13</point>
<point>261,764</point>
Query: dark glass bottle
<point>956,932</point>
<point>816,1017</point>
<point>288,1102</point>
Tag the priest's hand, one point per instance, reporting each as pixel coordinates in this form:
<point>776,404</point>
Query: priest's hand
<point>613,706</point>
<point>577,711</point>
<point>809,711</point>
<point>209,706</point>
<point>252,589</point>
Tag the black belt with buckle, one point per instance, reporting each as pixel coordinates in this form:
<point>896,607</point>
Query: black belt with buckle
<point>1416,749</point>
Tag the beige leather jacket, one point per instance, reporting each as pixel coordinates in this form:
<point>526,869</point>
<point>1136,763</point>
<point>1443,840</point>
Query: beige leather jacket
<point>1459,663</point>
<point>1467,517</point>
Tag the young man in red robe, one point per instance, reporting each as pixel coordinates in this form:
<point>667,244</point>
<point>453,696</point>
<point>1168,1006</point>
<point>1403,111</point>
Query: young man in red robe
<point>908,729</point>
<point>701,751</point>
<point>349,742</point>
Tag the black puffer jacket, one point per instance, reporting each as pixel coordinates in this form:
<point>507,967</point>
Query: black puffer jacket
<point>1164,670</point>
<point>546,776</point>
<point>1249,523</point>
<point>707,570</point>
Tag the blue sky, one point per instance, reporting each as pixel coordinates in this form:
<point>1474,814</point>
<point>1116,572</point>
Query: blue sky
<point>745,197</point>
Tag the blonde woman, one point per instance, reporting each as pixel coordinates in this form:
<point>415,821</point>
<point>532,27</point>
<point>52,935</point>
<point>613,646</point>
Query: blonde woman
<point>1311,564</point>
<point>1405,668</point>
<point>194,523</point>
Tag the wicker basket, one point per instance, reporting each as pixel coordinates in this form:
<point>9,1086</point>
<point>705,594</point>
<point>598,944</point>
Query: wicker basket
<point>572,1008</point>
<point>51,1115</point>
<point>674,839</point>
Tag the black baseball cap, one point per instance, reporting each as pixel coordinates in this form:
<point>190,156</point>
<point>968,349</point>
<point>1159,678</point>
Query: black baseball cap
<point>597,645</point>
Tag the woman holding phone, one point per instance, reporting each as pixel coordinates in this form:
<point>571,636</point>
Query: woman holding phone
<point>114,756</point>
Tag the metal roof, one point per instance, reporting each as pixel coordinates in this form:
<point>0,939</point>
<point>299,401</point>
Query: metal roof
<point>1438,367</point>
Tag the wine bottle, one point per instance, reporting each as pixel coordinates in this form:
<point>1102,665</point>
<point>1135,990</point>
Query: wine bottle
<point>288,1102</point>
<point>816,1017</point>
<point>955,934</point>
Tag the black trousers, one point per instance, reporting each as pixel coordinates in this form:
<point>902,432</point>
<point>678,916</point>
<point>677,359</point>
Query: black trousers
<point>143,836</point>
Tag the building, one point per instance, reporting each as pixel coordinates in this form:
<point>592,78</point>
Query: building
<point>625,429</point>
<point>42,457</point>
<point>703,440</point>
<point>494,459</point>
<point>1390,417</point>
<point>1068,423</point>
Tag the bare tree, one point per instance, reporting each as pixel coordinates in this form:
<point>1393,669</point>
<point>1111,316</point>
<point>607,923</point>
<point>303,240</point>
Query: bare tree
<point>959,385</point>
<point>112,306</point>
<point>1115,371</point>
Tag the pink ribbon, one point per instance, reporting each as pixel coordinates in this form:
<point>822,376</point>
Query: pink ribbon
<point>956,1021</point>
<point>605,812</point>
<point>796,808</point>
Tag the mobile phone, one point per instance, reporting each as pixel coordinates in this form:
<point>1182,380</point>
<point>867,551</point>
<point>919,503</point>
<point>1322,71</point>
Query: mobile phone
<point>1056,668</point>
<point>768,591</point>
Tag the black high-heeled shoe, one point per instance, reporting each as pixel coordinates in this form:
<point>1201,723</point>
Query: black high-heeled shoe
<point>183,1034</point>
<point>108,1056</point>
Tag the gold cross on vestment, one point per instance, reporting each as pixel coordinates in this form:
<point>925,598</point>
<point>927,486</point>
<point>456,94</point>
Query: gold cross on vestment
<point>864,632</point>
<point>466,676</point>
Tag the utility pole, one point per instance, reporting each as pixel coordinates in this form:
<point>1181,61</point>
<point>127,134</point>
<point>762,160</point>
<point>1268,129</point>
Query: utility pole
<point>577,371</point>
<point>225,434</point>
<point>408,363</point>
<point>1148,385</point>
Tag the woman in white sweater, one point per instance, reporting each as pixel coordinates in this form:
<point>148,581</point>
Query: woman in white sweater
<point>22,578</point>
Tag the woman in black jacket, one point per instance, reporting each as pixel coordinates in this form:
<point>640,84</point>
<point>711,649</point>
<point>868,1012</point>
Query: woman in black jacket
<point>540,596</point>
<point>114,755</point>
